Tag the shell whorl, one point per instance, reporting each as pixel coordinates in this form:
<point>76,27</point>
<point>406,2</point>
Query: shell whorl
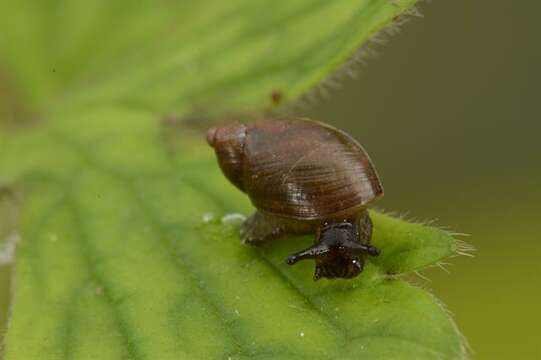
<point>307,170</point>
<point>228,142</point>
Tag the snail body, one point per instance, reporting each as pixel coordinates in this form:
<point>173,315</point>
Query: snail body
<point>303,176</point>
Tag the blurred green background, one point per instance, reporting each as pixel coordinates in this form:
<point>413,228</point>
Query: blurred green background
<point>449,112</point>
<point>449,115</point>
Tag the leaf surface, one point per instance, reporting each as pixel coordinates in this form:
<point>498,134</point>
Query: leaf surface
<point>179,56</point>
<point>119,258</point>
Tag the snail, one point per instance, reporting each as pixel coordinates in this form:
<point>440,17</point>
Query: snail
<point>303,177</point>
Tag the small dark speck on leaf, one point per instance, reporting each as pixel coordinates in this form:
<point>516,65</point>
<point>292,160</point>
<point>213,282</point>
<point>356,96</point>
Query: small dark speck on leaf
<point>391,274</point>
<point>276,97</point>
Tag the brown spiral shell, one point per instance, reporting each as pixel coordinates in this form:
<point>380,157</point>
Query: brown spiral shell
<point>296,168</point>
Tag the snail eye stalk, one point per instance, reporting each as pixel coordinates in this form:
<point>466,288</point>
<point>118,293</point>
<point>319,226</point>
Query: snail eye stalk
<point>312,252</point>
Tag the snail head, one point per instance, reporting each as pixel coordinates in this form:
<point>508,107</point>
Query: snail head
<point>337,252</point>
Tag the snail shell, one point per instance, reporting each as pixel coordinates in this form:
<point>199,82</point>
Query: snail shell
<point>296,168</point>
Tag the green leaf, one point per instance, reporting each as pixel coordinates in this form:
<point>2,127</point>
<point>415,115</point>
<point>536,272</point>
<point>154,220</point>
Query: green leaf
<point>179,56</point>
<point>117,261</point>
<point>127,248</point>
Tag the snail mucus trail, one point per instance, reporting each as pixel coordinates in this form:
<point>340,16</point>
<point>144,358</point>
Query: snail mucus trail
<point>303,177</point>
